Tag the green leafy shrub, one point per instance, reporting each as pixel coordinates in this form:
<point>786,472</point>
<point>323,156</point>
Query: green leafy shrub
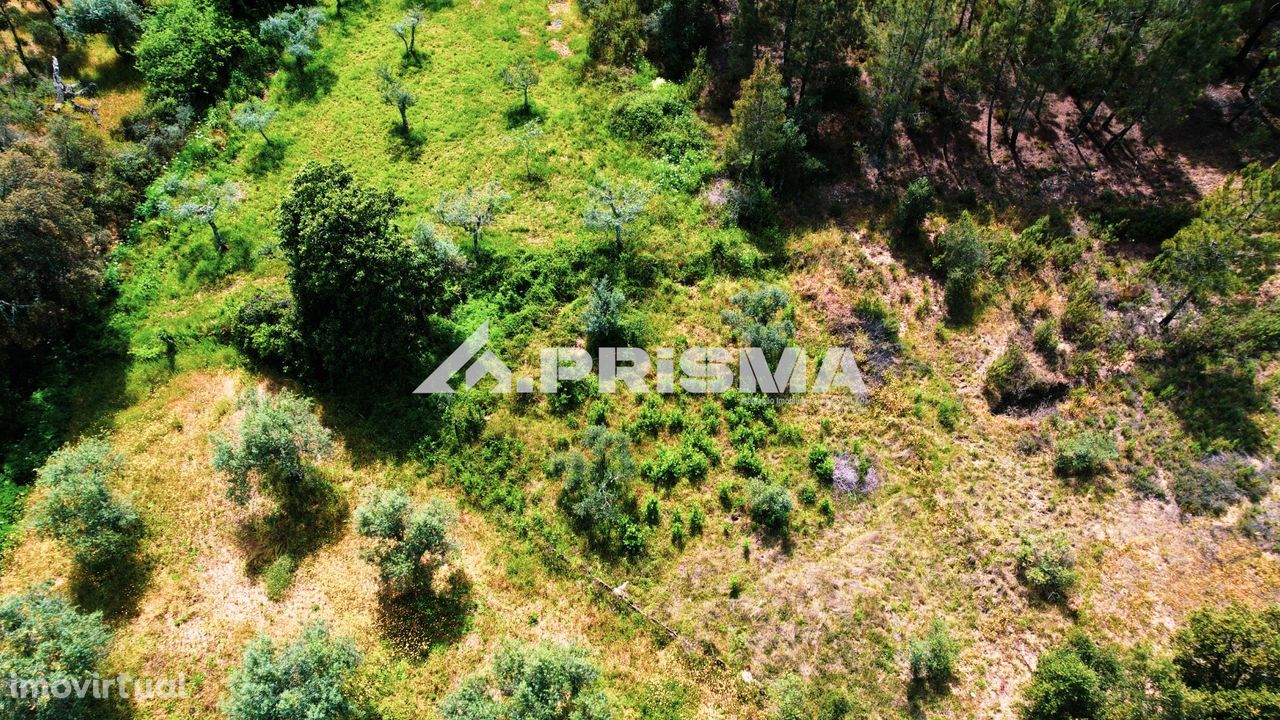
<point>409,545</point>
<point>664,120</point>
<point>821,463</point>
<point>762,319</point>
<point>75,506</point>
<point>531,682</point>
<point>312,672</point>
<point>916,204</point>
<point>962,256</point>
<point>933,657</point>
<point>278,577</point>
<point>697,520</point>
<point>771,507</point>
<point>279,435</point>
<point>1010,379</point>
<point>1083,322</point>
<point>1067,682</point>
<point>265,329</point>
<point>1213,485</point>
<point>191,53</point>
<point>950,410</point>
<point>1230,648</point>
<point>597,492</point>
<point>1084,454</point>
<point>736,586</point>
<point>1044,338</point>
<point>44,636</point>
<point>652,513</point>
<point>602,321</point>
<point>1046,564</point>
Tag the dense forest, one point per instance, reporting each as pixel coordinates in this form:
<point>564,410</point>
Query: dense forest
<point>235,236</point>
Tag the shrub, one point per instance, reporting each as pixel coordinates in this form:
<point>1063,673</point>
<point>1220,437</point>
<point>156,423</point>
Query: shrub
<point>677,529</point>
<point>749,464</point>
<point>962,256</point>
<point>1083,322</point>
<point>278,577</point>
<point>602,321</point>
<point>697,520</point>
<point>664,469</point>
<point>762,319</point>
<point>616,33</point>
<point>771,507</point>
<point>949,412</point>
<point>1084,454</point>
<point>191,53</point>
<point>409,545</point>
<point>531,682</point>
<point>808,494</point>
<point>1044,338</point>
<point>44,636</point>
<point>1064,685</point>
<point>665,121</point>
<point>1010,379</point>
<point>1046,564</point>
<point>735,586</point>
<point>932,658</point>
<point>265,329</point>
<point>820,463</point>
<point>652,512</point>
<point>1230,648</point>
<point>597,493</point>
<point>278,437</point>
<point>77,509</point>
<point>312,672</point>
<point>916,204</point>
<point>1211,486</point>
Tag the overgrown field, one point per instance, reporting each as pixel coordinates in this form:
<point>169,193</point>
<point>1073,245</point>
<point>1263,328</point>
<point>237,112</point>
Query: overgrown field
<point>905,510</point>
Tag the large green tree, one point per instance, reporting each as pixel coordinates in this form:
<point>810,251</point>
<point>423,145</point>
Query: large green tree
<point>42,636</point>
<point>363,293</point>
<point>307,679</point>
<point>190,52</point>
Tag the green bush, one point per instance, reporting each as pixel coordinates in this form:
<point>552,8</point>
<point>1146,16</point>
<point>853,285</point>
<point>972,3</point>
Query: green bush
<point>1230,648</point>
<point>1084,454</point>
<point>279,436</point>
<point>697,520</point>
<point>409,545</point>
<point>762,318</point>
<point>1010,379</point>
<point>1046,564</point>
<point>933,657</point>
<point>1083,322</point>
<point>771,507</point>
<point>191,53</point>
<point>75,506</point>
<point>278,577</point>
<point>1044,338</point>
<point>44,636</point>
<point>916,204</point>
<point>962,255</point>
<point>312,672</point>
<point>531,682</point>
<point>597,492</point>
<point>265,329</point>
<point>664,120</point>
<point>1066,685</point>
<point>821,463</point>
<point>652,512</point>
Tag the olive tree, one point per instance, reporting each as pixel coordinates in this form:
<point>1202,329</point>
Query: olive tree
<point>278,437</point>
<point>532,682</point>
<point>120,21</point>
<point>614,205</point>
<point>255,115</point>
<point>410,545</point>
<point>473,209</point>
<point>296,32</point>
<point>202,201</point>
<point>44,636</point>
<point>395,94</point>
<point>75,506</point>
<point>308,678</point>
<point>521,76</point>
<point>407,31</point>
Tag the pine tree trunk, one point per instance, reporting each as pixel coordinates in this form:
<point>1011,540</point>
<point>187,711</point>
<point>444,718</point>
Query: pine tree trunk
<point>1173,311</point>
<point>17,41</point>
<point>217,238</point>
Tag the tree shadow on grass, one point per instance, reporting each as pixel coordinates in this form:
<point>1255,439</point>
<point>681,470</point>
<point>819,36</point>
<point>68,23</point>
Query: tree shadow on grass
<point>308,84</point>
<point>114,590</point>
<point>1216,405</point>
<point>297,529</point>
<point>418,623</point>
<point>923,695</point>
<point>521,115</point>
<point>405,145</point>
<point>268,157</point>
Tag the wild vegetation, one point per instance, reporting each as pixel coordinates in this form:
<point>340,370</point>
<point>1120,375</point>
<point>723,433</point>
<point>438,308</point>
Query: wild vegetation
<point>236,236</point>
